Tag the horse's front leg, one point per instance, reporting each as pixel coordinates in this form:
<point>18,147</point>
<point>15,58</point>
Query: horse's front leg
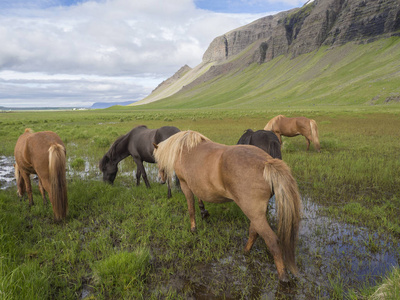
<point>138,174</point>
<point>190,202</point>
<point>169,189</point>
<point>279,137</point>
<point>204,212</point>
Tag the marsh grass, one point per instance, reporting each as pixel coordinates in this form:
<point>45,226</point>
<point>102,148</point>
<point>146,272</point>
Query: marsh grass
<point>124,241</point>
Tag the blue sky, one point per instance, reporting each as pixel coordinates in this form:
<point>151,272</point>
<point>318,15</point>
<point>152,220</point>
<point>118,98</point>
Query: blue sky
<point>77,52</point>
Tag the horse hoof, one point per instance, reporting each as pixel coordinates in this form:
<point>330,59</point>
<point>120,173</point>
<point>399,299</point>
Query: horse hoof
<point>205,214</point>
<point>284,278</point>
<point>193,230</point>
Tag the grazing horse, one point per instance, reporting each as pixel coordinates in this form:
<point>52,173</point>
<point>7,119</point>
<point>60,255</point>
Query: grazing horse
<point>241,173</point>
<point>139,144</point>
<point>263,139</point>
<point>42,153</point>
<point>282,125</point>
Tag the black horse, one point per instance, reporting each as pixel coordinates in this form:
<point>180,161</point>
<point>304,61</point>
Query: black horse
<point>264,139</point>
<point>139,144</point>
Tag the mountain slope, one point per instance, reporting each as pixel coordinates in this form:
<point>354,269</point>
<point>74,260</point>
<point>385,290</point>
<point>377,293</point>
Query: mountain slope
<point>327,52</point>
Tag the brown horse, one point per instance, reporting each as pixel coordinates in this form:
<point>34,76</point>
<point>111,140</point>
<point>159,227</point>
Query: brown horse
<point>282,125</point>
<point>244,174</point>
<point>42,153</point>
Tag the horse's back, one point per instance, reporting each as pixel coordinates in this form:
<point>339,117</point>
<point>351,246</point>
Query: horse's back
<point>164,132</point>
<point>267,141</point>
<point>243,168</point>
<point>32,149</point>
<point>245,138</point>
<point>225,171</point>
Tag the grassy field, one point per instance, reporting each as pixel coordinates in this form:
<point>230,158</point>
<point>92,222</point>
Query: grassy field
<point>352,74</point>
<point>128,242</point>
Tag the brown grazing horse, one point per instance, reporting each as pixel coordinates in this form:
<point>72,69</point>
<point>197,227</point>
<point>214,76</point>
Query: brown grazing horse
<point>244,174</point>
<point>42,153</point>
<point>282,125</point>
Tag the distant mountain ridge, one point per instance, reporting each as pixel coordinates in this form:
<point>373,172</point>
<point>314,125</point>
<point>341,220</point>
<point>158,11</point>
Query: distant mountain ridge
<point>319,23</point>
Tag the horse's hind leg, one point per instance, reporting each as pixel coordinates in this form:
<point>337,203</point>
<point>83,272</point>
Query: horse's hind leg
<point>28,187</point>
<point>308,143</point>
<point>262,227</point>
<point>204,212</point>
<point>43,192</point>
<point>253,235</point>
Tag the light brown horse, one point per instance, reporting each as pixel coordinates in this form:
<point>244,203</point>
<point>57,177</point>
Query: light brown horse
<point>241,173</point>
<point>42,153</point>
<point>282,125</point>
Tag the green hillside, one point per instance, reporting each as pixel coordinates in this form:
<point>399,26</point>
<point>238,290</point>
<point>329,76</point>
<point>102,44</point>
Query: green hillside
<point>352,74</point>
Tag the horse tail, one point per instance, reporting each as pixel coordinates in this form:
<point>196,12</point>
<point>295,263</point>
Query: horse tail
<point>288,207</point>
<point>58,181</point>
<point>20,181</point>
<point>314,134</point>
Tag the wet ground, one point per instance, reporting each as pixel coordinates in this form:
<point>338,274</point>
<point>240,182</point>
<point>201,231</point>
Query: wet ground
<point>329,253</point>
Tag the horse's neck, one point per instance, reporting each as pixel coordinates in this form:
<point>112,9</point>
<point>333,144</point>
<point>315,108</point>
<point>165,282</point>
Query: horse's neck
<point>121,150</point>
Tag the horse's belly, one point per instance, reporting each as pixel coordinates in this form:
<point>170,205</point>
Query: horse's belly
<point>212,195</point>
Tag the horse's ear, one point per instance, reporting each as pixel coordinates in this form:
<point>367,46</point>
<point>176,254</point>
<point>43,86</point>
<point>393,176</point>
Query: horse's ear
<point>155,146</point>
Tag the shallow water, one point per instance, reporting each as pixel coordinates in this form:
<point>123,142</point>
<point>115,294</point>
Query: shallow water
<point>328,253</point>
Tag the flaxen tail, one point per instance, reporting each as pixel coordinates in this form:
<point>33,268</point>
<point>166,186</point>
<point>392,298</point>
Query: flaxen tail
<point>314,134</point>
<point>58,181</point>
<point>288,207</point>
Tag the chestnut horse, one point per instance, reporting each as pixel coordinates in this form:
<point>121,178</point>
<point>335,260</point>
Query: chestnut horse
<point>137,143</point>
<point>241,173</point>
<point>282,125</point>
<point>42,153</point>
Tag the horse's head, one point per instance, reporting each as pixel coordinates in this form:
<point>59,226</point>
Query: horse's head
<point>108,168</point>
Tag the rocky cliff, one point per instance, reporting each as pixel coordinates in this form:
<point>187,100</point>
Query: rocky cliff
<point>292,33</point>
<point>318,23</point>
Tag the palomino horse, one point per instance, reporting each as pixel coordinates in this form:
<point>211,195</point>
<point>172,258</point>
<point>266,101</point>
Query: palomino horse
<point>282,125</point>
<point>139,144</point>
<point>263,139</point>
<point>241,173</point>
<point>42,153</point>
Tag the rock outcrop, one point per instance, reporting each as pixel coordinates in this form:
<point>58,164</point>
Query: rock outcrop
<point>291,33</point>
<point>302,30</point>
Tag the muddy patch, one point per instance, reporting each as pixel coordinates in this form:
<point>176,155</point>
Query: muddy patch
<point>333,258</point>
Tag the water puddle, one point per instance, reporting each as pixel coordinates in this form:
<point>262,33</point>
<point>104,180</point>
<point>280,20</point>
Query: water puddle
<point>89,170</point>
<point>329,254</point>
<point>7,177</point>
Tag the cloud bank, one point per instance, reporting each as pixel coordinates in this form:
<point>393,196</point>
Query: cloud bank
<point>100,51</point>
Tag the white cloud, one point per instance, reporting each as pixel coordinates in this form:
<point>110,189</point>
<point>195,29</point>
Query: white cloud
<point>101,51</point>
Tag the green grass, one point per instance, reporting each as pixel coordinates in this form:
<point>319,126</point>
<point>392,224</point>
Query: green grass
<point>352,74</point>
<point>128,242</point>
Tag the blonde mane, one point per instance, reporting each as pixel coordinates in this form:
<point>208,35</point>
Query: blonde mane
<point>170,150</point>
<point>271,122</point>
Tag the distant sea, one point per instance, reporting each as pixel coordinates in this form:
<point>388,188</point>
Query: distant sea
<point>96,105</point>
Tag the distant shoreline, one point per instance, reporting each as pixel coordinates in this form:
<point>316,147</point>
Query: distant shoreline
<point>11,109</point>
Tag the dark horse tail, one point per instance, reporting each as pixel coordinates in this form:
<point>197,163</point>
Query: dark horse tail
<point>288,207</point>
<point>58,181</point>
<point>275,149</point>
